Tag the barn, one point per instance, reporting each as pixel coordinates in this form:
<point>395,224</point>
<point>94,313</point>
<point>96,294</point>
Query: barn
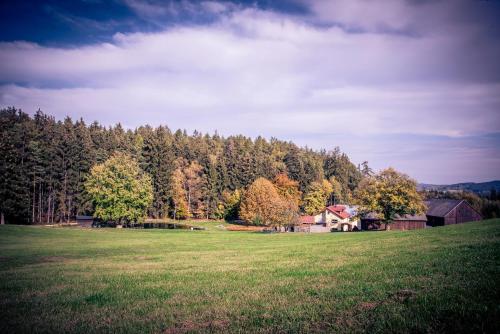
<point>407,222</point>
<point>441,212</point>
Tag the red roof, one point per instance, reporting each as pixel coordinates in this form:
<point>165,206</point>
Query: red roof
<point>306,219</point>
<point>339,211</point>
<point>338,208</point>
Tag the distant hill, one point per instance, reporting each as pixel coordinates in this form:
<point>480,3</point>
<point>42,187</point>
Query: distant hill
<point>482,187</point>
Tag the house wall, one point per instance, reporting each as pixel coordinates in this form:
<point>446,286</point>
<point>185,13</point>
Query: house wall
<point>318,228</point>
<point>329,217</point>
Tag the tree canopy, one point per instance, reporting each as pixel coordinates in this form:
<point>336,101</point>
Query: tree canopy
<point>389,193</point>
<point>119,189</point>
<point>262,205</point>
<point>316,196</point>
<point>44,163</point>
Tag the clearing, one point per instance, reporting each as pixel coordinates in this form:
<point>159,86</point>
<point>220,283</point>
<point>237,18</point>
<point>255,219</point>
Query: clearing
<point>444,279</point>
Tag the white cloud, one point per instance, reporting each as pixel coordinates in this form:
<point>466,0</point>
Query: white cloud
<point>260,72</point>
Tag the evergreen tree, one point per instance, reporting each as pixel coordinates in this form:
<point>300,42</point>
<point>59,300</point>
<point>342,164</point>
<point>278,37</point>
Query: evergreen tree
<point>44,164</point>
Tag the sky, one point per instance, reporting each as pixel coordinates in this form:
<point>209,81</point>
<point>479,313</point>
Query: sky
<point>411,84</point>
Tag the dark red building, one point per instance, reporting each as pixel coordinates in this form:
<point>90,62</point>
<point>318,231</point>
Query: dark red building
<point>406,222</point>
<point>441,212</point>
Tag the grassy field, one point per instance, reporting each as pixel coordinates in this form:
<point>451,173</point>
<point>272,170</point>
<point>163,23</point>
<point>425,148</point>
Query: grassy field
<point>86,280</point>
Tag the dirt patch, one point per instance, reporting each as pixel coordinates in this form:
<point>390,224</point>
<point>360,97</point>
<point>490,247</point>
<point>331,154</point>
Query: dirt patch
<point>399,296</point>
<point>404,295</point>
<point>368,305</point>
<point>245,228</point>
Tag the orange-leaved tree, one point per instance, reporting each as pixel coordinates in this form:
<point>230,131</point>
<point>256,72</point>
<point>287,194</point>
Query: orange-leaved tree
<point>262,205</point>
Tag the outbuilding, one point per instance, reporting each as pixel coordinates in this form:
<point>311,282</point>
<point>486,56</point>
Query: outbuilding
<point>441,212</point>
<point>373,222</point>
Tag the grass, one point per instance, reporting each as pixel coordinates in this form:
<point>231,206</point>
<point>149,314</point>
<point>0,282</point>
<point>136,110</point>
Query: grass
<point>175,281</point>
<point>216,225</point>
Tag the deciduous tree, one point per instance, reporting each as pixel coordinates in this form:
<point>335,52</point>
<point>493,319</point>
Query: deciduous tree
<point>388,194</point>
<point>288,189</point>
<point>316,196</point>
<point>262,205</point>
<point>120,190</point>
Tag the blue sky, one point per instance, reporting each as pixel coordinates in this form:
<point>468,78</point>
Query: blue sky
<point>410,84</point>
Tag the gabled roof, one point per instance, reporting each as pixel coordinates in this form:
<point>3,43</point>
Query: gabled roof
<point>441,207</point>
<point>306,219</point>
<point>337,207</point>
<point>338,210</point>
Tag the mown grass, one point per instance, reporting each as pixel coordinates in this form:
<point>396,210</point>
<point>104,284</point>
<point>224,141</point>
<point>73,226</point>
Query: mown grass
<point>174,281</point>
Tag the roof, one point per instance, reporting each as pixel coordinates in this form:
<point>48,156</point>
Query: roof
<point>306,219</point>
<point>375,216</point>
<point>339,211</point>
<point>441,207</point>
<point>337,207</point>
<point>421,217</point>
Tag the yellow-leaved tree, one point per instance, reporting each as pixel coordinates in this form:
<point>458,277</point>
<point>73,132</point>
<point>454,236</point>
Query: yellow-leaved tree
<point>388,194</point>
<point>316,197</point>
<point>120,190</point>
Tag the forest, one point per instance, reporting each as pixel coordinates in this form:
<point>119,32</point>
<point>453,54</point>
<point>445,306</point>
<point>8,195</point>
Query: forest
<point>45,163</point>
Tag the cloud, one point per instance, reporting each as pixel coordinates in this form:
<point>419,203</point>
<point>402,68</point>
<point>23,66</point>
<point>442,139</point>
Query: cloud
<point>262,72</point>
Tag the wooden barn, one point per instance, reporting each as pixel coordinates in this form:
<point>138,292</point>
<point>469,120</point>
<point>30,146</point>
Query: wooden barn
<point>442,212</point>
<point>372,222</point>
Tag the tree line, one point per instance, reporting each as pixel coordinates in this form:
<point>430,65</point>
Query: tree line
<point>45,164</point>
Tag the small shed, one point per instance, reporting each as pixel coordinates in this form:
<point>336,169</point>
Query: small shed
<point>85,221</point>
<point>441,212</point>
<point>372,221</point>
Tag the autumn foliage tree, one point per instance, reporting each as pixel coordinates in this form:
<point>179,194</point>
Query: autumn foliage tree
<point>120,190</point>
<point>288,189</point>
<point>188,189</point>
<point>232,202</point>
<point>44,163</point>
<point>180,208</point>
<point>389,194</point>
<point>316,196</point>
<point>262,205</point>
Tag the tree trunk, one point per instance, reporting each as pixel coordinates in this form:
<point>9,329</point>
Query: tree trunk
<point>34,201</point>
<point>189,202</point>
<point>39,203</point>
<point>2,219</point>
<point>49,205</point>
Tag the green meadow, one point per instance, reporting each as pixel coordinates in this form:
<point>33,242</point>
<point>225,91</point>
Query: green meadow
<point>444,279</point>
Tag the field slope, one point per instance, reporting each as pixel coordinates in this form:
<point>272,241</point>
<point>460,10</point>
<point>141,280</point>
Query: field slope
<point>74,280</point>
